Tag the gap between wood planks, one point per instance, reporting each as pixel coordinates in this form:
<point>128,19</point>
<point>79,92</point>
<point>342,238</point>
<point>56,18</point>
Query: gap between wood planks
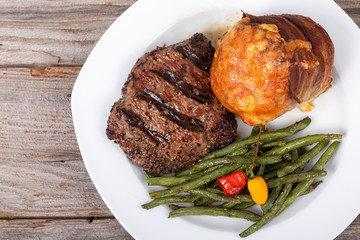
<point>89,218</point>
<point>352,10</point>
<point>2,66</point>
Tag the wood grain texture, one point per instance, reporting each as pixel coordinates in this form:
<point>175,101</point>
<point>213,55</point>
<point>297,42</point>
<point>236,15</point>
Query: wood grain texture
<point>65,32</point>
<point>45,191</point>
<point>352,232</point>
<point>53,32</point>
<point>42,173</point>
<point>62,229</point>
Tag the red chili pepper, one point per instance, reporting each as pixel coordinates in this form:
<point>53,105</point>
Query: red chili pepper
<point>233,183</point>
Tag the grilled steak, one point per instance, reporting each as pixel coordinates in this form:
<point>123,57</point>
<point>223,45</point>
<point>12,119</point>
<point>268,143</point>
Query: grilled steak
<point>168,117</point>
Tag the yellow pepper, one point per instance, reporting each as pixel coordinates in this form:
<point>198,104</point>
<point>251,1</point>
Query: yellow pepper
<point>258,190</point>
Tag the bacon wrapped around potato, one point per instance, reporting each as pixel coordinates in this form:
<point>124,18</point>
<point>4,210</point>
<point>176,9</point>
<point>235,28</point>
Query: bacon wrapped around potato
<point>265,66</point>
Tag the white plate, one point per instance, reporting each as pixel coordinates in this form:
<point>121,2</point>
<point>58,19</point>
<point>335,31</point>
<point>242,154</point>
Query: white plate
<point>321,215</point>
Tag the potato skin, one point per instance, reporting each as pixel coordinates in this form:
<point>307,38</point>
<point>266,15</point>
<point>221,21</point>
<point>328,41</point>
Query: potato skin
<point>250,72</point>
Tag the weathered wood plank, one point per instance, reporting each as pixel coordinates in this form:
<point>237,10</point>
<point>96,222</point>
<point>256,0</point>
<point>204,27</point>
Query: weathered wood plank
<point>352,232</point>
<point>32,188</point>
<point>65,32</point>
<point>42,173</point>
<point>53,32</point>
<point>93,229</point>
<point>352,8</point>
<point>44,186</point>
<point>36,114</point>
<point>347,4</point>
<point>62,229</point>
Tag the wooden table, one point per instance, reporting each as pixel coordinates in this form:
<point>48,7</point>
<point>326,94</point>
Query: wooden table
<point>45,190</point>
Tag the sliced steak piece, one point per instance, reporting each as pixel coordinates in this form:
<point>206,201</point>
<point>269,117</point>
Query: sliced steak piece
<point>168,117</point>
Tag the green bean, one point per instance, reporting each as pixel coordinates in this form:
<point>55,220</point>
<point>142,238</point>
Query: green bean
<point>241,197</point>
<point>174,180</point>
<point>311,188</point>
<point>300,142</point>
<point>243,205</point>
<point>269,175</point>
<point>174,207</point>
<point>216,162</point>
<point>301,151</point>
<point>298,126</point>
<point>184,172</point>
<point>240,151</point>
<point>274,167</point>
<point>297,177</point>
<point>215,211</point>
<point>203,201</point>
<point>271,199</point>
<point>273,144</point>
<point>188,172</point>
<point>286,157</point>
<point>252,152</point>
<point>167,181</point>
<point>320,164</point>
<point>267,136</point>
<point>255,130</point>
<point>294,155</point>
<point>194,183</point>
<point>214,196</point>
<point>303,186</point>
<point>242,161</point>
<point>261,170</point>
<point>228,205</point>
<point>215,185</point>
<point>303,159</point>
<point>204,171</point>
<point>239,206</point>
<point>263,160</point>
<point>270,214</point>
<point>171,199</point>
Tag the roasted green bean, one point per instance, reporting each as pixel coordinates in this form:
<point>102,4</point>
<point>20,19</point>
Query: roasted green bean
<point>311,188</point>
<point>297,177</point>
<point>214,196</point>
<point>239,152</point>
<point>301,142</point>
<point>279,162</point>
<point>270,214</point>
<point>303,186</point>
<point>242,161</point>
<point>241,197</point>
<point>271,199</point>
<point>171,199</point>
<point>167,181</point>
<point>298,126</point>
<point>273,144</point>
<point>267,136</point>
<point>302,160</point>
<point>215,211</point>
<point>194,183</point>
<point>243,205</point>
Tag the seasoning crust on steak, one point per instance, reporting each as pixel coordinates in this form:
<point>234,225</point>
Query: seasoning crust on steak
<point>168,117</point>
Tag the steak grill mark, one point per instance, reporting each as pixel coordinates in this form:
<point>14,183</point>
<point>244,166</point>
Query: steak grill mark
<point>134,120</point>
<point>170,113</point>
<point>193,58</point>
<point>190,91</point>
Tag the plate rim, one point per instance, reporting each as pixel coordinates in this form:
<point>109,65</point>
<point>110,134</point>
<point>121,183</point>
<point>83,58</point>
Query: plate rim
<point>137,6</point>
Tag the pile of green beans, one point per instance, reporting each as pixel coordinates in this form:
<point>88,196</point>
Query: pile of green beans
<point>281,162</point>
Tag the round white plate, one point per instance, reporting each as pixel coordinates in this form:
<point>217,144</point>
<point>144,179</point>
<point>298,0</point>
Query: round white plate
<point>323,214</point>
